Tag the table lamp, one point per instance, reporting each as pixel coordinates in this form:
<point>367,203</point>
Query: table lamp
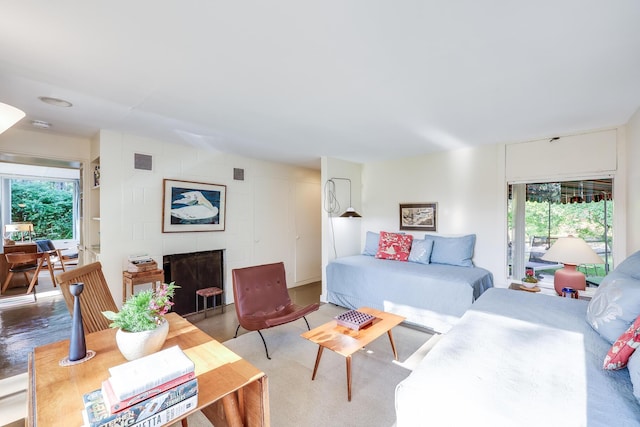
<point>571,251</point>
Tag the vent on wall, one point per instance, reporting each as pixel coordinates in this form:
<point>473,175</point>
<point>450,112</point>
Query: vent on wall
<point>238,174</point>
<point>142,162</point>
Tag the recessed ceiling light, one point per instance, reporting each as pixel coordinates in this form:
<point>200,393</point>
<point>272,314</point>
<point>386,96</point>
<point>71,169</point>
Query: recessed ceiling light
<point>40,124</point>
<point>55,101</point>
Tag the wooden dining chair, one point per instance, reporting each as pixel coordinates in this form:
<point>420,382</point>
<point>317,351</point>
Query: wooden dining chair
<point>20,262</point>
<point>95,298</point>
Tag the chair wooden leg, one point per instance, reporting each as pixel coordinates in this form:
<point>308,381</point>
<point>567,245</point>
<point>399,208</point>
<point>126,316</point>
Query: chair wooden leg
<point>5,285</point>
<point>35,276</point>
<point>50,268</point>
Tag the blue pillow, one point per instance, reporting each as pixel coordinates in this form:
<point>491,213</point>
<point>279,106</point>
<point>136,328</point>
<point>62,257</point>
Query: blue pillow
<point>614,306</point>
<point>371,244</point>
<point>452,250</point>
<point>421,251</point>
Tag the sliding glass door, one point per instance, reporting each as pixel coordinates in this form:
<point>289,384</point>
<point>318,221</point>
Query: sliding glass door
<point>540,212</point>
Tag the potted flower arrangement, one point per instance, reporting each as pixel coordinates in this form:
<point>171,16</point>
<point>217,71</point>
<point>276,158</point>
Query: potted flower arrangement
<point>142,328</point>
<point>530,279</point>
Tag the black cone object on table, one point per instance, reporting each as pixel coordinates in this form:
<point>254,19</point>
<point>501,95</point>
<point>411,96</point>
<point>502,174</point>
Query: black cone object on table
<point>77,346</point>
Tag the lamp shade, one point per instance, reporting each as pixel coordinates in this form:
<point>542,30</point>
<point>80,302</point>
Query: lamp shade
<point>350,213</point>
<point>572,250</point>
<point>9,116</point>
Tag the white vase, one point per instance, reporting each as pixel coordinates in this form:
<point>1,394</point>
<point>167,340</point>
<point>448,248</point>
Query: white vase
<point>134,345</point>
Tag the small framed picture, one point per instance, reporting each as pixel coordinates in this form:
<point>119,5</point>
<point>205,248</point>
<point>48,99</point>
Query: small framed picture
<point>418,216</point>
<point>193,206</point>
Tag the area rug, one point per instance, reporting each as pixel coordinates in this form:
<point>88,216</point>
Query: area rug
<point>295,400</point>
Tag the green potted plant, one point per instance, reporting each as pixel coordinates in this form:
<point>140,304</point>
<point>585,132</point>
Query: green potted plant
<point>142,328</point>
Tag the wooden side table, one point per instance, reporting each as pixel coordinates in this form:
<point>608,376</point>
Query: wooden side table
<point>129,280</point>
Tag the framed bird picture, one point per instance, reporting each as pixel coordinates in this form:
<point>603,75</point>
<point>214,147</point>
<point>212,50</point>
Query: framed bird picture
<point>193,206</point>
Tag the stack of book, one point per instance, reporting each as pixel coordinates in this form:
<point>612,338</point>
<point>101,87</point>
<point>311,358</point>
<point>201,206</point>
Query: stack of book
<point>146,392</point>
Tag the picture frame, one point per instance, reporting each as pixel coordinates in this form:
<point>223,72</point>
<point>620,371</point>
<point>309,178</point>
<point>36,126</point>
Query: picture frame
<point>189,206</point>
<point>418,216</point>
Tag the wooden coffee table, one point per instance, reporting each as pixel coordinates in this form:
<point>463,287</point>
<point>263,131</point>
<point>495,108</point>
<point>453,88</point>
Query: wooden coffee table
<point>345,341</point>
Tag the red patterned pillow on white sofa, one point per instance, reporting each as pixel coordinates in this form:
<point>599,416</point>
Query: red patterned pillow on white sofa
<point>394,246</point>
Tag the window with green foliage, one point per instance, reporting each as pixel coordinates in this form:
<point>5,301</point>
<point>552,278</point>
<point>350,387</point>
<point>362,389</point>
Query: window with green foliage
<point>539,213</point>
<point>47,204</point>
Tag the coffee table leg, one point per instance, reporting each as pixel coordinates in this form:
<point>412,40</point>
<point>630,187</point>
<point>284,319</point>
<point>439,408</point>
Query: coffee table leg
<point>315,368</point>
<point>393,344</point>
<point>349,378</point>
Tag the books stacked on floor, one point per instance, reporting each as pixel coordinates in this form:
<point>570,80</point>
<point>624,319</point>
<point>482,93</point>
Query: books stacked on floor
<point>146,392</point>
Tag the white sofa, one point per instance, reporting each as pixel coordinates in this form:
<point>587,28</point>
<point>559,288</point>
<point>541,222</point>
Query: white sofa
<point>522,359</point>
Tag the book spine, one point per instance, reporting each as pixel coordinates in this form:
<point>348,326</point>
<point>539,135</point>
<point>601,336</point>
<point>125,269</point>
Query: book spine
<point>114,405</point>
<point>169,414</point>
<point>98,415</point>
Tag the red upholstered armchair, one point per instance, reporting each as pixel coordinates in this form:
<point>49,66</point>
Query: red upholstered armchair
<point>262,300</point>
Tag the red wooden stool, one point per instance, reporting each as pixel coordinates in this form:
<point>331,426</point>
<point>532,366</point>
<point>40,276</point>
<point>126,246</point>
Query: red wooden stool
<point>209,292</point>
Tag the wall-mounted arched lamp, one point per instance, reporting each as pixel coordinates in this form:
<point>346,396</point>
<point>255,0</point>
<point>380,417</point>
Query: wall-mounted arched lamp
<point>350,212</point>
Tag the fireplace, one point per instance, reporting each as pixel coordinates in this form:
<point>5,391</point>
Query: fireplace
<point>193,271</point>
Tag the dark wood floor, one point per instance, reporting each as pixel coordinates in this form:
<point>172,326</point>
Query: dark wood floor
<point>32,324</point>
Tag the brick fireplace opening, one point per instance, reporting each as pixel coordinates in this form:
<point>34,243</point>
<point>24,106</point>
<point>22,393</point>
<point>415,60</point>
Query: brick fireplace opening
<point>193,271</point>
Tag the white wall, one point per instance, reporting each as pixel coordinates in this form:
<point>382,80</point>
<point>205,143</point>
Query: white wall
<point>467,185</point>
<point>470,187</point>
<point>131,207</point>
<point>340,236</point>
<point>131,203</point>
<point>632,160</point>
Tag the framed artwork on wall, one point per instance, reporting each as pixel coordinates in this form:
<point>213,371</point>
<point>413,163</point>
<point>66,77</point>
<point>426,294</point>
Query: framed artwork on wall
<point>418,216</point>
<point>193,206</point>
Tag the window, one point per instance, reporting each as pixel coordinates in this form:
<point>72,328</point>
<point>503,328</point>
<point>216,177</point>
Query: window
<point>50,203</point>
<point>539,213</point>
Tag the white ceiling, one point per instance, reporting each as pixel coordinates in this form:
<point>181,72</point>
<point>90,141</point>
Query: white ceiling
<point>295,80</point>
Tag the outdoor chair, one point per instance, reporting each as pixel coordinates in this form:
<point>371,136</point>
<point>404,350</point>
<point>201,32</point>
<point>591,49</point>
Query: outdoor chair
<point>95,298</point>
<point>54,256</point>
<point>262,300</point>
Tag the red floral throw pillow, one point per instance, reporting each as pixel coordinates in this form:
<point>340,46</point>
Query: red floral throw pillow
<point>623,348</point>
<point>394,246</point>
